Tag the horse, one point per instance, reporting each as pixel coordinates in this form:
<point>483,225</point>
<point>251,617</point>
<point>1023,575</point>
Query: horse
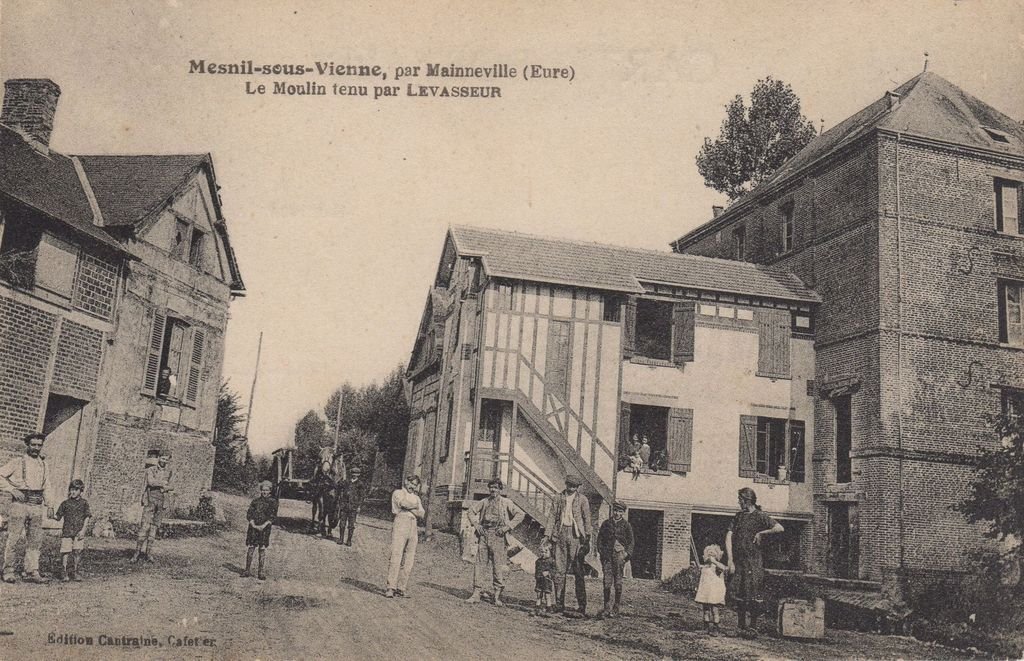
<point>328,474</point>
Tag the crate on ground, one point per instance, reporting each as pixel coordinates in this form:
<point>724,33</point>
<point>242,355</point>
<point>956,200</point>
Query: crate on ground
<point>802,618</point>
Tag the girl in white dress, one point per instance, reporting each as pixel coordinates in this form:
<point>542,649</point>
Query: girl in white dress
<point>711,589</point>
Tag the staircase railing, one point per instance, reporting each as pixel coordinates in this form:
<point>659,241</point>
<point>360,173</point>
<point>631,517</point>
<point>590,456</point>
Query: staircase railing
<point>533,489</point>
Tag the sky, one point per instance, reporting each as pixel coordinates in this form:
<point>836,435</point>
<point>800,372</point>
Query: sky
<point>337,206</point>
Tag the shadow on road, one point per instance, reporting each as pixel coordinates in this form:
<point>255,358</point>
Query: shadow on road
<point>362,585</point>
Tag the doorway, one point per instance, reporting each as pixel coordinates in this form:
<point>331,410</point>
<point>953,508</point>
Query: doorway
<point>647,535</point>
<point>843,545</point>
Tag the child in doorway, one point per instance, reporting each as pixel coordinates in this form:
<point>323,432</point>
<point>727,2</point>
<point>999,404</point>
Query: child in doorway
<point>76,515</point>
<point>711,589</point>
<point>636,464</point>
<point>260,515</point>
<point>543,571</point>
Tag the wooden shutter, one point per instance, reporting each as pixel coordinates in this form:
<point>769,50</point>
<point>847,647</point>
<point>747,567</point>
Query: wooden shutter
<point>775,330</point>
<point>748,445</point>
<point>629,328</point>
<point>1014,313</point>
<point>680,439</point>
<point>624,414</point>
<point>796,466</point>
<point>154,353</point>
<point>195,366</point>
<point>682,332</point>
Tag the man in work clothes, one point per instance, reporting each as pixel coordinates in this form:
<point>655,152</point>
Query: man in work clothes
<point>24,478</point>
<point>408,509</point>
<point>615,546</point>
<point>350,500</point>
<point>154,500</point>
<point>569,529</point>
<point>492,518</point>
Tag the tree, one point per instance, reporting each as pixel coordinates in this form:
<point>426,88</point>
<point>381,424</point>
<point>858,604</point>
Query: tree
<point>234,468</point>
<point>754,141</point>
<point>310,436</point>
<point>996,495</point>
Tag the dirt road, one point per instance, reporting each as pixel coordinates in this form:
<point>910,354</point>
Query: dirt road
<point>324,600</point>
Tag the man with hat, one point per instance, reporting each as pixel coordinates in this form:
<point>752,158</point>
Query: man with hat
<point>154,501</point>
<point>569,529</point>
<point>24,478</point>
<point>350,499</point>
<point>615,546</point>
<point>492,518</point>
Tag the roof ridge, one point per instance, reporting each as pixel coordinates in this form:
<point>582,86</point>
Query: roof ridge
<point>179,155</point>
<point>652,251</point>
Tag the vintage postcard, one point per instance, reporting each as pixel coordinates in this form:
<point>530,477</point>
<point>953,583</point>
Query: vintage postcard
<point>450,330</point>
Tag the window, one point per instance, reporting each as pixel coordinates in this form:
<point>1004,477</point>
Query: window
<point>195,248</point>
<point>773,338</point>
<point>654,329</point>
<point>1012,403</point>
<point>844,439</point>
<point>669,435</point>
<point>997,136</point>
<point>19,251</point>
<point>505,296</point>
<point>446,446</point>
<point>181,238</point>
<point>1007,206</point>
<point>787,227</point>
<point>772,448</point>
<point>1011,311</point>
<point>739,240</point>
<point>175,359</point>
<point>612,308</point>
<point>556,366</point>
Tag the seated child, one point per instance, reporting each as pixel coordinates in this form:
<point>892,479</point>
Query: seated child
<point>636,464</point>
<point>711,589</point>
<point>76,514</point>
<point>543,571</point>
<point>260,515</point>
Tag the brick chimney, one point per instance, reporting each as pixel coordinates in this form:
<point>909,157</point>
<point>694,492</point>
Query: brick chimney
<point>893,99</point>
<point>29,107</point>
<point>716,211</point>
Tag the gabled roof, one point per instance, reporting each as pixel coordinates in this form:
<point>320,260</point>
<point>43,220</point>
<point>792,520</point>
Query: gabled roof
<point>618,269</point>
<point>49,184</point>
<point>928,106</point>
<point>129,188</point>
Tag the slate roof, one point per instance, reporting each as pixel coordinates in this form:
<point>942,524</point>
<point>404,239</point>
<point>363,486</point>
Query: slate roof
<point>47,183</point>
<point>929,107</point>
<point>615,268</point>
<point>129,188</point>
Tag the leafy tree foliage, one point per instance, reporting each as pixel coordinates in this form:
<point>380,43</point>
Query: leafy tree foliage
<point>754,141</point>
<point>997,492</point>
<point>310,436</point>
<point>234,467</point>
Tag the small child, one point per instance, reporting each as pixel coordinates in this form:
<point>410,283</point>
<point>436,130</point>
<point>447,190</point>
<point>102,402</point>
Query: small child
<point>636,464</point>
<point>543,570</point>
<point>711,589</point>
<point>76,515</point>
<point>260,515</point>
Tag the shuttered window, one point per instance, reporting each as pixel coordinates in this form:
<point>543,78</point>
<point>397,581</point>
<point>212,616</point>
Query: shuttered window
<point>556,367</point>
<point>155,353</point>
<point>774,334</point>
<point>682,332</point>
<point>797,472</point>
<point>629,328</point>
<point>748,446</point>
<point>680,439</point>
<point>446,442</point>
<point>195,366</point>
<point>625,411</point>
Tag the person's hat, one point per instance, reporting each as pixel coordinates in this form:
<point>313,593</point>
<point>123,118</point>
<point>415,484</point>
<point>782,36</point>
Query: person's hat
<point>619,506</point>
<point>572,481</point>
<point>413,478</point>
<point>77,484</point>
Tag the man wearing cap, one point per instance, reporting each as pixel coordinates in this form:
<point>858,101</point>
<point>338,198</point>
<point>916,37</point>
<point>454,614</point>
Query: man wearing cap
<point>615,546</point>
<point>350,500</point>
<point>154,500</point>
<point>24,478</point>
<point>569,529</point>
<point>492,518</point>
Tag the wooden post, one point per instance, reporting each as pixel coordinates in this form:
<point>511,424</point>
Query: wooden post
<point>252,391</point>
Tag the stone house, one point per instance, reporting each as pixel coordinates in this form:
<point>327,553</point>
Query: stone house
<point>116,273</point>
<point>537,358</point>
<point>906,219</point>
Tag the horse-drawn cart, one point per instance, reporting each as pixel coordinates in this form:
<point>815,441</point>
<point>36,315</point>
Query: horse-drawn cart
<point>287,485</point>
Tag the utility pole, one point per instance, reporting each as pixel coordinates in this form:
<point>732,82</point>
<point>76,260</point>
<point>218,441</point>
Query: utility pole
<point>252,391</point>
<point>337,418</point>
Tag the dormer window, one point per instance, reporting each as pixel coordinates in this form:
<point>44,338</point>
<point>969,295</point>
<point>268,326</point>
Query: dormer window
<point>180,238</point>
<point>739,243</point>
<point>195,248</point>
<point>997,136</point>
<point>787,227</point>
